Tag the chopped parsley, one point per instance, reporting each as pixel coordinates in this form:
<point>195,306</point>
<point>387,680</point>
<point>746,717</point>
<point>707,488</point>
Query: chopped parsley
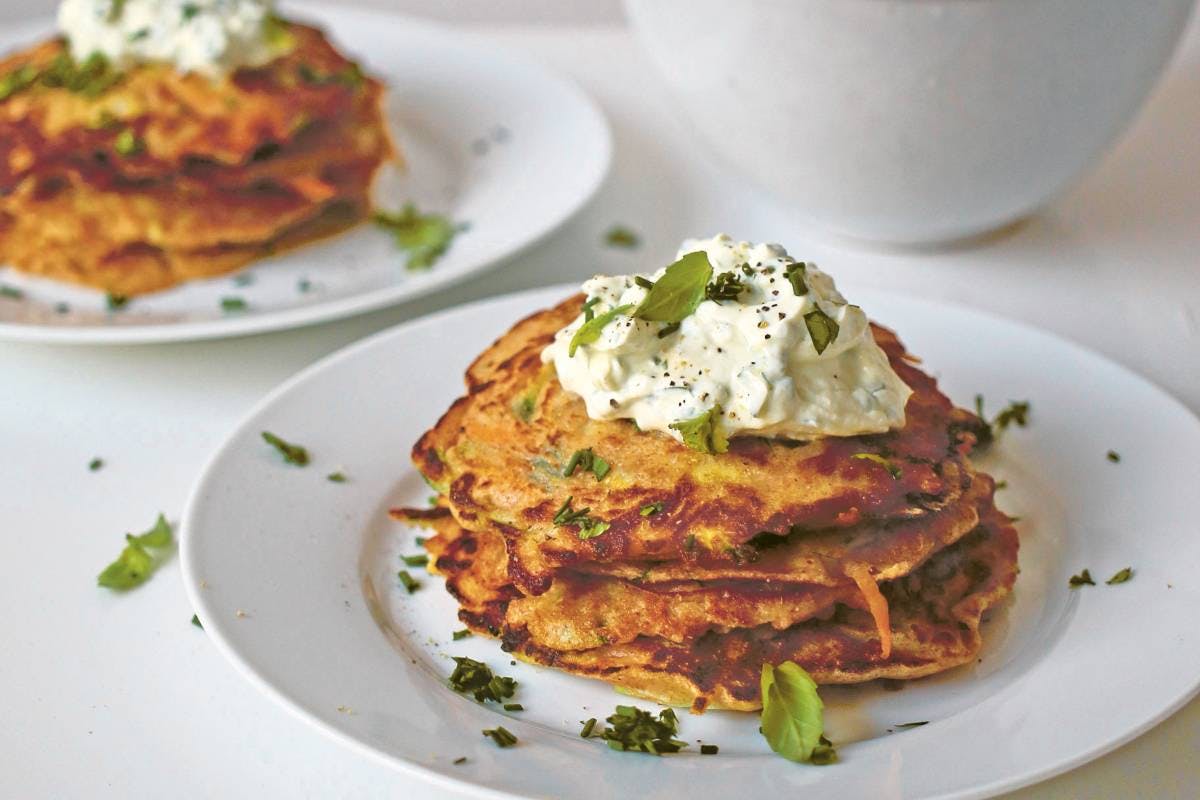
<point>727,286</point>
<point>11,292</point>
<point>633,730</point>
<point>245,279</point>
<point>822,328</point>
<point>415,561</point>
<point>703,433</point>
<point>409,583</point>
<point>1120,577</point>
<point>589,462</point>
<point>477,679</point>
<point>1082,579</point>
<point>292,453</point>
<point>588,527</point>
<point>892,469</point>
<point>460,635</point>
<point>425,237</point>
<point>233,304</point>
<point>620,236</point>
<point>796,275</point>
<point>136,563</point>
<point>591,329</point>
<point>650,509</point>
<point>95,464</point>
<point>1113,456</point>
<point>501,736</point>
<point>336,477</point>
<point>676,294</point>
<point>792,714</point>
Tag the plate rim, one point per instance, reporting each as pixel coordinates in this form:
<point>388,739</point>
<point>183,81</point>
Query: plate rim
<point>373,300</point>
<point>193,588</point>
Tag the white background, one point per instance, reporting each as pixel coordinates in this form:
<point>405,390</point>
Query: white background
<point>118,696</point>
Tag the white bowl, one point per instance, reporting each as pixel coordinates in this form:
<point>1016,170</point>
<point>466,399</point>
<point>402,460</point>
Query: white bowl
<point>910,121</point>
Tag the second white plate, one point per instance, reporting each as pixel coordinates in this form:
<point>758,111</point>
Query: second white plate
<point>490,139</point>
<point>295,580</point>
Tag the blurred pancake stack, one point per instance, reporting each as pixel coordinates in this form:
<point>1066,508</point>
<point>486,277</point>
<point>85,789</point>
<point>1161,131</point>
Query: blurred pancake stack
<point>676,574</point>
<point>134,177</point>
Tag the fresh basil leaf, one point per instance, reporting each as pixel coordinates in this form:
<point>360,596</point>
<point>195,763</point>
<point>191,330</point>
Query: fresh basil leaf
<point>822,328</point>
<point>792,718</point>
<point>676,294</point>
<point>703,433</point>
<point>425,237</point>
<point>589,332</point>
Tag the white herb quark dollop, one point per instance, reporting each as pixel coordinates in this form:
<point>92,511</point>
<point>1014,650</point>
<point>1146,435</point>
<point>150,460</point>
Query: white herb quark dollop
<point>752,357</point>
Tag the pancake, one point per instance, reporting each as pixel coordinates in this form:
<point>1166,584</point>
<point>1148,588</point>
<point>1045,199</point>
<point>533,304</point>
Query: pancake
<point>224,171</point>
<point>935,625</point>
<point>498,455</point>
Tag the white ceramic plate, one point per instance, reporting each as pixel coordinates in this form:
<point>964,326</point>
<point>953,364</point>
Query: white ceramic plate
<point>294,578</point>
<point>490,140</point>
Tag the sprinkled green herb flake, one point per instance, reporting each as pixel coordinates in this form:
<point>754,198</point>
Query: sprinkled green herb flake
<point>634,730</point>
<point>589,462</point>
<point>189,11</point>
<point>588,527</point>
<point>727,286</point>
<point>904,726</point>
<point>96,464</point>
<point>620,236</point>
<point>18,80</point>
<point>796,275</point>
<point>589,332</point>
<point>679,291</point>
<point>588,727</point>
<point>336,477</point>
<point>460,760</point>
<point>822,329</point>
<point>196,622</point>
<point>304,286</point>
<point>1121,577</point>
<point>823,754</point>
<point>233,304</point>
<point>415,561</point>
<point>62,308</point>
<point>1082,579</point>
<point>127,143</point>
<point>477,679</point>
<point>136,563</point>
<point>513,707</point>
<point>139,34</point>
<point>1113,456</point>
<point>11,292</point>
<point>892,469</point>
<point>292,453</point>
<point>425,237</point>
<point>245,279</point>
<point>709,749</point>
<point>409,583</point>
<point>458,636</point>
<point>115,302</point>
<point>650,509</point>
<point>703,433</point>
<point>501,736</point>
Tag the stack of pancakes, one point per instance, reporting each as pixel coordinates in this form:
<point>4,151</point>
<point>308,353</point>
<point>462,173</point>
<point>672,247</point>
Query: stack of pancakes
<point>858,557</point>
<point>132,181</point>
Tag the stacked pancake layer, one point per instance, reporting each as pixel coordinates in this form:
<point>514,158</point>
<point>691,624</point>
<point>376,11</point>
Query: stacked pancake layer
<point>710,565</point>
<point>135,181</point>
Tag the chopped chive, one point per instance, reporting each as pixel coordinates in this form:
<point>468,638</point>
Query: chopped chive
<point>11,292</point>
<point>115,302</point>
<point>304,286</point>
<point>415,561</point>
<point>588,727</point>
<point>620,236</point>
<point>1082,579</point>
<point>460,635</point>
<point>95,464</point>
<point>230,304</point>
<point>196,622</point>
<point>1120,577</point>
<point>336,477</point>
<point>650,509</point>
<point>460,760</point>
<point>292,453</point>
<point>419,541</point>
<point>709,749</point>
<point>501,736</point>
<point>1113,456</point>
<point>410,584</point>
<point>903,726</point>
<point>245,279</point>
<point>513,707</point>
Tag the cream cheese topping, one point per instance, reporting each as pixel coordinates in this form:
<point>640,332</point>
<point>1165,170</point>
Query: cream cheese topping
<point>211,37</point>
<point>755,358</point>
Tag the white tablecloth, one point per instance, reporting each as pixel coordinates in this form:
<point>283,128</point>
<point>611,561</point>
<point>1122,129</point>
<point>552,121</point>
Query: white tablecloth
<point>118,696</point>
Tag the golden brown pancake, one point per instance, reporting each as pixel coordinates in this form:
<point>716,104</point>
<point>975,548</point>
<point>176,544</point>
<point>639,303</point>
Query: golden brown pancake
<point>935,617</point>
<point>224,171</point>
<point>499,452</point>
